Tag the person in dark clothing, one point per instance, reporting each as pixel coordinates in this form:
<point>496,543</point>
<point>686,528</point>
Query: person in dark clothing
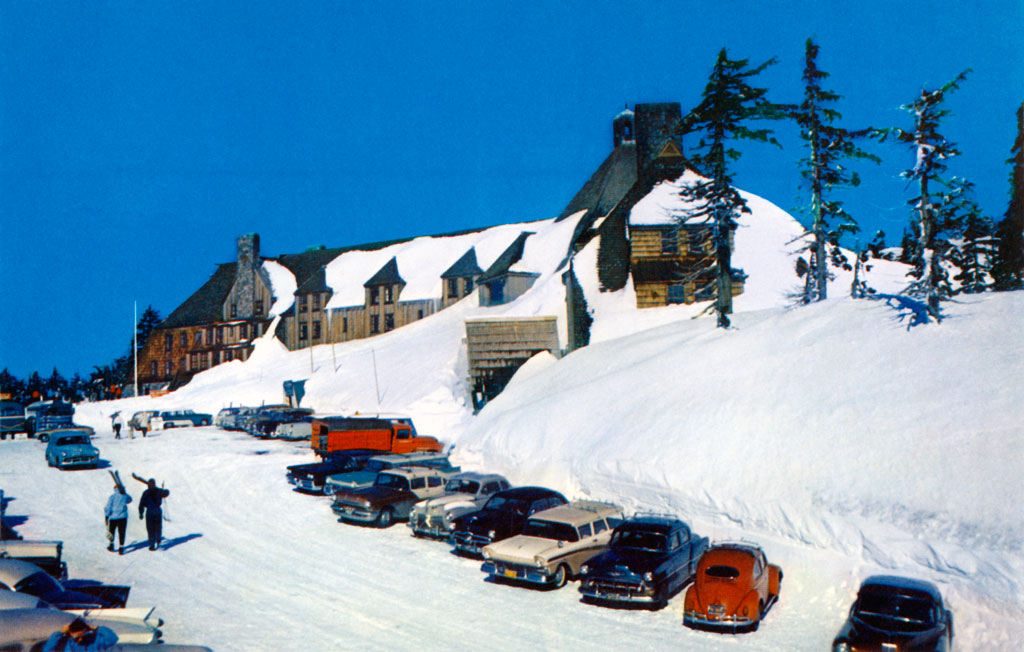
<point>80,636</point>
<point>150,509</point>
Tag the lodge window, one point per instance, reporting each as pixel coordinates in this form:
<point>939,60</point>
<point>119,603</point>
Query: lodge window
<point>234,310</point>
<point>699,239</point>
<point>374,323</point>
<point>389,294</point>
<point>181,363</point>
<point>168,342</point>
<point>168,368</point>
<point>419,314</point>
<point>468,287</point>
<point>198,338</point>
<point>705,292</point>
<point>243,331</point>
<point>258,330</point>
<point>194,361</point>
<point>374,295</point>
<point>303,331</point>
<point>220,335</point>
<point>389,321</point>
<point>669,243</point>
<point>209,336</point>
<point>152,368</point>
<point>316,301</point>
<point>229,355</point>
<point>453,288</point>
<point>303,303</point>
<point>676,293</point>
<point>316,330</point>
<point>183,340</point>
<point>344,324</point>
<point>259,307</point>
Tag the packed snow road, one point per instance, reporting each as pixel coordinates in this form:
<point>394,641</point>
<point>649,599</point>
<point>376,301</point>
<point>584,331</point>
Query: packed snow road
<point>251,565</point>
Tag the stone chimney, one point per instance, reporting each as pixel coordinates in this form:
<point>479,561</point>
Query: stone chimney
<point>657,143</point>
<point>245,274</point>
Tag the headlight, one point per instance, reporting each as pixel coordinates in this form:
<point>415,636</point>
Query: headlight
<point>584,570</point>
<point>842,646</point>
<point>540,562</point>
<point>486,553</point>
<point>491,535</point>
<point>648,576</point>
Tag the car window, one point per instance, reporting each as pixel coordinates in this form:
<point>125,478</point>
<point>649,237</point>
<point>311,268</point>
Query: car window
<point>722,572</point>
<point>392,481</point>
<point>433,481</point>
<point>614,522</point>
<point>461,485</point>
<point>418,483</point>
<point>402,434</point>
<point>642,539</point>
<point>600,526</point>
<point>586,530</point>
<point>490,488</point>
<point>536,527</point>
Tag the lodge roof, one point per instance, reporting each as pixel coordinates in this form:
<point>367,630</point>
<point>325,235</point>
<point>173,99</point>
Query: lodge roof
<point>606,186</point>
<point>387,275</point>
<point>512,254</point>
<point>464,266</point>
<point>205,306</point>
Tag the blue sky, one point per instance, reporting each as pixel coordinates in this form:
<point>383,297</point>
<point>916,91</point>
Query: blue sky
<point>139,139</point>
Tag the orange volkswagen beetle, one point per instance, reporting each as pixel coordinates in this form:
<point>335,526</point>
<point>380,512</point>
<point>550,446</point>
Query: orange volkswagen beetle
<point>733,589</point>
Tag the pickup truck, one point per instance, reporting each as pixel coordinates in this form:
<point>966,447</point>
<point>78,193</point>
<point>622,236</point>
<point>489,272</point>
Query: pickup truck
<point>48,415</point>
<point>391,495</point>
<point>395,435</point>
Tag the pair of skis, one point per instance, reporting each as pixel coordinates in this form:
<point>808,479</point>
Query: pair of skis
<point>116,475</point>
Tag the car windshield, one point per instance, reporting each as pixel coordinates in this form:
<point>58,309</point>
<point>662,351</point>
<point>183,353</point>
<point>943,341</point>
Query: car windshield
<point>392,481</point>
<point>71,441</point>
<point>536,527</point>
<point>377,465</point>
<point>722,572</point>
<point>38,584</point>
<point>643,539</point>
<point>506,504</point>
<point>893,611</point>
<point>462,486</point>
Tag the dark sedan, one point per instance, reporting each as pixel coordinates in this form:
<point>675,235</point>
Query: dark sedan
<point>896,613</point>
<point>23,577</point>
<point>502,516</point>
<point>312,477</point>
<point>649,559</point>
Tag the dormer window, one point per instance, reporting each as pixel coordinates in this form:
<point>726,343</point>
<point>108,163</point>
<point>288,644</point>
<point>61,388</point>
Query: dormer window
<point>303,303</point>
<point>389,294</point>
<point>259,307</point>
<point>374,295</point>
<point>468,287</point>
<point>316,301</point>
<point>453,288</point>
<point>669,242</point>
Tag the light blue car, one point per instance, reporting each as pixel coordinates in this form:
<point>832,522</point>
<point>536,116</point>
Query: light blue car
<point>72,448</point>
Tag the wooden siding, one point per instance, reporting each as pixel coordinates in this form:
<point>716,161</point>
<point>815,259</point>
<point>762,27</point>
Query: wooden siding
<point>353,322</point>
<point>262,294</point>
<point>655,293</point>
<point>498,343</point>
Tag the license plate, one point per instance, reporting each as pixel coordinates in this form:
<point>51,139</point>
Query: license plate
<point>511,573</point>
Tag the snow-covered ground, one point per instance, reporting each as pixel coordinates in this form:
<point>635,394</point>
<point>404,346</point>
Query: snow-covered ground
<point>840,440</point>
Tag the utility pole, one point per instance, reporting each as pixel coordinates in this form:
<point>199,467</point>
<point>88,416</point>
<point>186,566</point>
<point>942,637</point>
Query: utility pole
<point>135,348</point>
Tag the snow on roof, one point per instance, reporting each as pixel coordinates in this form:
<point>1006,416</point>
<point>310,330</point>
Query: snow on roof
<point>282,286</point>
<point>420,262</point>
<point>663,206</point>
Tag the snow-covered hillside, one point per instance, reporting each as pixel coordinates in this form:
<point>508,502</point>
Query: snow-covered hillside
<point>833,435</point>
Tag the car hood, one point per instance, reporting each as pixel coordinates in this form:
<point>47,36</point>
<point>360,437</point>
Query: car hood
<point>447,500</point>
<point>375,495</point>
<point>77,449</point>
<point>625,562</point>
<point>523,549</point>
<point>353,480</point>
<point>313,468</point>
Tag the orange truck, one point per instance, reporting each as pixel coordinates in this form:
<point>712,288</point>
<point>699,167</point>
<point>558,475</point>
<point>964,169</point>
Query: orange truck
<point>395,435</point>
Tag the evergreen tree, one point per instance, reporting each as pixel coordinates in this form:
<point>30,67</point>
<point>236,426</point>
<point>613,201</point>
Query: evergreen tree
<point>149,320</point>
<point>727,104</point>
<point>829,145</point>
<point>34,388</point>
<point>11,384</point>
<point>1008,270</point>
<point>55,386</point>
<point>973,253</point>
<point>933,206</point>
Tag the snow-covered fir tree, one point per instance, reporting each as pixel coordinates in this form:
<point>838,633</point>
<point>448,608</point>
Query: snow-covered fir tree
<point>728,104</point>
<point>935,205</point>
<point>974,252</point>
<point>830,146</point>
<point>1008,270</point>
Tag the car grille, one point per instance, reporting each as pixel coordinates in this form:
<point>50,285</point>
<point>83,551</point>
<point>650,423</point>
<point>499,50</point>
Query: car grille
<point>470,542</point>
<point>78,459</point>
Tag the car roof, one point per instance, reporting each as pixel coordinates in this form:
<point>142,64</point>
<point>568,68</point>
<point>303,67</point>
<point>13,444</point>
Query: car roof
<point>72,431</point>
<point>901,585</point>
<point>653,522</point>
<point>528,493</point>
<point>579,512</point>
<point>13,571</point>
<point>413,470</point>
<point>395,458</point>
<point>478,477</point>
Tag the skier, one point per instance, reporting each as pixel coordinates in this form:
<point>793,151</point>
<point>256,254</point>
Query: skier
<point>149,507</point>
<point>80,636</point>
<point>116,513</point>
<point>116,423</point>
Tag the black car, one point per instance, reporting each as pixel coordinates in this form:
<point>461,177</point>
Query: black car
<point>23,577</point>
<point>896,613</point>
<point>265,422</point>
<point>649,559</point>
<point>312,477</point>
<point>502,516</point>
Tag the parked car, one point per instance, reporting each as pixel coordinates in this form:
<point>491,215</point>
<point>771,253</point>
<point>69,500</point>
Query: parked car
<point>128,630</point>
<point>391,496</point>
<point>47,555</point>
<point>649,559</point>
<point>295,430</point>
<point>365,477</point>
<point>502,516</point>
<point>12,419</point>
<point>896,613</point>
<point>179,419</point>
<point>71,448</point>
<point>140,420</point>
<point>464,493</point>
<point>554,544</point>
<point>734,588</point>
<point>24,630</point>
<point>23,577</point>
<point>265,421</point>
<point>226,417</point>
<point>48,415</point>
<point>312,477</point>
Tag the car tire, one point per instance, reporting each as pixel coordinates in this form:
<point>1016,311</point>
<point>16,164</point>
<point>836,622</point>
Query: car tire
<point>561,577</point>
<point>385,518</point>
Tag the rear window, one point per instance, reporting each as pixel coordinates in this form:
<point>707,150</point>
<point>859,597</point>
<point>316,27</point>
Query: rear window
<point>536,527</point>
<point>722,572</point>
